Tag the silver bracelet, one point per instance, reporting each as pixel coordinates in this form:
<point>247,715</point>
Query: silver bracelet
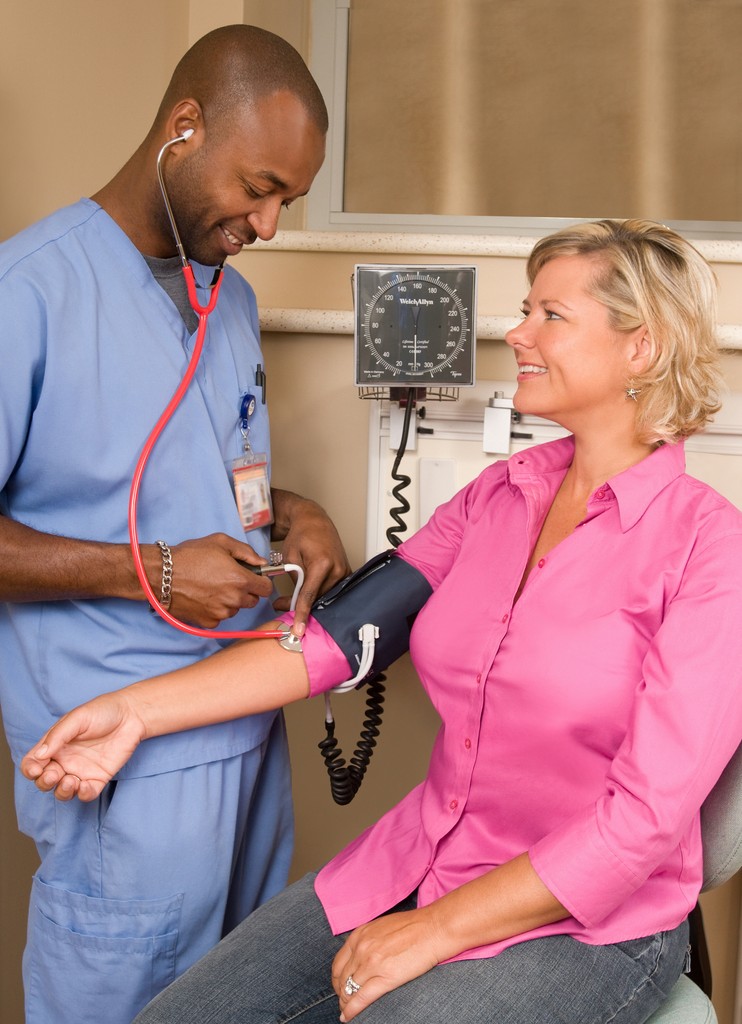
<point>166,589</point>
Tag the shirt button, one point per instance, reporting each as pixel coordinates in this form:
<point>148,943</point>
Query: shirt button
<point>541,563</point>
<point>467,744</point>
<point>600,494</point>
<point>479,679</point>
<point>453,805</point>
<point>505,617</point>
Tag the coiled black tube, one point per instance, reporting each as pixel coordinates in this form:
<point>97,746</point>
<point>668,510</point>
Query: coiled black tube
<point>402,479</point>
<point>346,779</point>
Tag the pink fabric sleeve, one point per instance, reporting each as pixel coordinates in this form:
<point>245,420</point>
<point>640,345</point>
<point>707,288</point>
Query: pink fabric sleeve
<point>431,551</point>
<point>685,727</point>
<point>326,664</point>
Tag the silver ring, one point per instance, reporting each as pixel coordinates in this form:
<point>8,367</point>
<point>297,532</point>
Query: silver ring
<point>351,987</point>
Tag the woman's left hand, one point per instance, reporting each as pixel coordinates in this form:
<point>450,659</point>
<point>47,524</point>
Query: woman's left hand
<point>382,955</point>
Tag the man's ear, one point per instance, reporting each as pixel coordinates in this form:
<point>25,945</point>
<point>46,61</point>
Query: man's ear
<point>186,118</point>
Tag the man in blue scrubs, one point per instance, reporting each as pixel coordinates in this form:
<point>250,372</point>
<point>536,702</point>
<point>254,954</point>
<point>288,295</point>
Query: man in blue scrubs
<point>97,332</point>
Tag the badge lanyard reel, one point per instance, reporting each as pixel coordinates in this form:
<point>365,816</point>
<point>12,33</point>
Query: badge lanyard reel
<point>249,474</point>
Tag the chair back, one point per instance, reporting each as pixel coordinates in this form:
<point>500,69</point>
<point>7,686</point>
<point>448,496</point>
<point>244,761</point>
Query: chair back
<point>721,826</point>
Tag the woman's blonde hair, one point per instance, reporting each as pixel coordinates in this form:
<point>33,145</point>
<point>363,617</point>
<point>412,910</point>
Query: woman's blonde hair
<point>648,274</point>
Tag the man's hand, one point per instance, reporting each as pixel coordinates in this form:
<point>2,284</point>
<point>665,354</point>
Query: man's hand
<point>211,578</point>
<point>209,582</point>
<point>311,541</point>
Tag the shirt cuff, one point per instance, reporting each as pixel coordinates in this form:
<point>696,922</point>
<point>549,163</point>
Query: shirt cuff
<point>577,866</point>
<point>326,664</point>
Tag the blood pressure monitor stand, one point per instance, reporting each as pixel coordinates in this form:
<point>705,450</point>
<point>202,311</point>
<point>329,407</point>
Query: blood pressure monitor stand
<point>414,341</point>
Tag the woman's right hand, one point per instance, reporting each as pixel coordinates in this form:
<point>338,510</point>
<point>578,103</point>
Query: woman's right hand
<point>82,752</point>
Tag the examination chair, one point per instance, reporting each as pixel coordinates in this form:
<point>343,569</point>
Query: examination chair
<point>721,825</point>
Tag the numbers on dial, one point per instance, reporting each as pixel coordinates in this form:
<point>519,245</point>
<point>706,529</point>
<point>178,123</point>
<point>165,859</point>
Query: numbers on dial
<point>415,326</point>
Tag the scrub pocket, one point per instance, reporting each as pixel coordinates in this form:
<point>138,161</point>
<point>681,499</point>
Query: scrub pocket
<point>79,952</point>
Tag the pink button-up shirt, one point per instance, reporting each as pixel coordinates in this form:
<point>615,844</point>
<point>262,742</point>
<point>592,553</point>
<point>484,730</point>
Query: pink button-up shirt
<point>585,723</point>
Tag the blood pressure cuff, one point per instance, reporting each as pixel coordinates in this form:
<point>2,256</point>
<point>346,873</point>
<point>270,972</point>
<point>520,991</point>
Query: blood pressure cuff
<point>387,592</point>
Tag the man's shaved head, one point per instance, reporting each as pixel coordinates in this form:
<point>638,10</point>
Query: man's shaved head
<point>232,67</point>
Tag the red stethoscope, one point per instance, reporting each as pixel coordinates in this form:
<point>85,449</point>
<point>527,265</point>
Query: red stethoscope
<point>202,312</point>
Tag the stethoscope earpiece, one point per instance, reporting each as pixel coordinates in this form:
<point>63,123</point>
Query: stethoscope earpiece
<point>173,142</point>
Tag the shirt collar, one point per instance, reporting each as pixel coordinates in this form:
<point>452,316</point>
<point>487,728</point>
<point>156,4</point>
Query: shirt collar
<point>534,463</point>
<point>634,489</point>
<point>638,486</point>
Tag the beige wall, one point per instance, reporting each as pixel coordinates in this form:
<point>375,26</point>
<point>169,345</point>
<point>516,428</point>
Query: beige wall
<point>79,85</point>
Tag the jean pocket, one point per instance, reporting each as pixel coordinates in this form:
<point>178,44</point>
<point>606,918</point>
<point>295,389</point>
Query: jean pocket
<point>92,960</point>
<point>644,950</point>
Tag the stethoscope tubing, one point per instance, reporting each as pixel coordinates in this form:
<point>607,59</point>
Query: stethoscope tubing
<point>203,312</point>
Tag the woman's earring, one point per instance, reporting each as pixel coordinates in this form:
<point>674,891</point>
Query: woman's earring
<point>632,392</point>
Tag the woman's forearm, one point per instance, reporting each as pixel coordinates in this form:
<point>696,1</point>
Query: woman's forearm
<point>395,948</point>
<point>83,751</point>
<point>245,678</point>
<point>506,901</point>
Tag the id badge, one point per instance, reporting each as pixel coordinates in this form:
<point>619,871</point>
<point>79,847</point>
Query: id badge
<point>252,490</point>
<point>249,473</point>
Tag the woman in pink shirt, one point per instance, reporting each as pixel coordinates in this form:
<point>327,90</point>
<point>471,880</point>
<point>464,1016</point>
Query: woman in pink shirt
<point>582,647</point>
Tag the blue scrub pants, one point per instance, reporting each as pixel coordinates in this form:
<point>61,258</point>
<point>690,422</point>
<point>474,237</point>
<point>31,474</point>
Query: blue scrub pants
<point>135,887</point>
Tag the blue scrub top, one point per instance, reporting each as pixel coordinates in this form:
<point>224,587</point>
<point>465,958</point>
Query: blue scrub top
<point>92,349</point>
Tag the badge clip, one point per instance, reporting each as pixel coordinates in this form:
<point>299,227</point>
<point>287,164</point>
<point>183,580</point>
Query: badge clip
<point>249,475</point>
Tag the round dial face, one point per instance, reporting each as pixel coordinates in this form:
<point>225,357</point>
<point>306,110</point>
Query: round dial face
<point>414,325</point>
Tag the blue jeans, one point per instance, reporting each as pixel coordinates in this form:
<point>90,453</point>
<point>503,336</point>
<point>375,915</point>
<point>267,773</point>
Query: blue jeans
<point>274,968</point>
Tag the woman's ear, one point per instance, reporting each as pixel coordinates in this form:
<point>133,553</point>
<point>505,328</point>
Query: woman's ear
<point>641,350</point>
